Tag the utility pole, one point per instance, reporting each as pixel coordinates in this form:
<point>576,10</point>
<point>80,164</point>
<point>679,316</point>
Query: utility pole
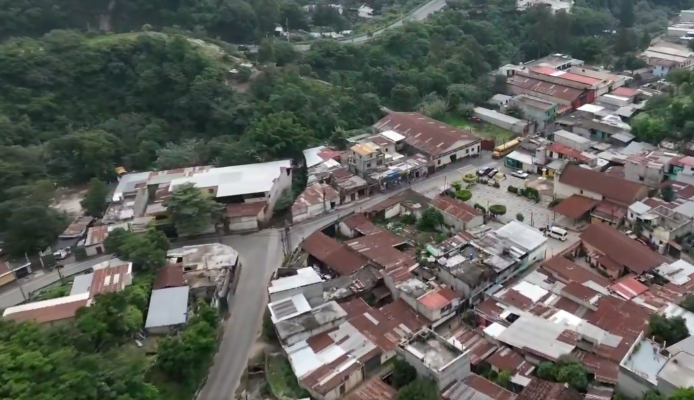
<point>288,239</point>
<point>289,37</point>
<point>14,273</point>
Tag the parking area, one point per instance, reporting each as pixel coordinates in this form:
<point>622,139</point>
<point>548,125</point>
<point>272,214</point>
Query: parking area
<point>535,214</point>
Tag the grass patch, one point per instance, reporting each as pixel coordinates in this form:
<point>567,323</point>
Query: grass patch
<point>281,378</point>
<point>482,129</point>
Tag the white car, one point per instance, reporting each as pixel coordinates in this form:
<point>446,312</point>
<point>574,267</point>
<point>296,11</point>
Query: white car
<point>520,174</point>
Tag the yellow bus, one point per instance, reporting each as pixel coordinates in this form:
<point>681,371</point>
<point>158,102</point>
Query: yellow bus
<point>506,148</point>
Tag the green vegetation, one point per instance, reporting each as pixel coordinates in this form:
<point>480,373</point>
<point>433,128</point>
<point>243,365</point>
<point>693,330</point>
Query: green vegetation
<point>419,389</point>
<point>281,378</point>
<point>463,195</point>
<point>481,208</point>
<point>94,203</point>
<point>668,330</point>
<point>191,211</point>
<point>147,252</point>
<point>565,370</point>
<point>497,209</point>
<point>520,217</point>
<point>431,220</point>
<point>482,129</point>
<point>667,193</point>
<point>688,303</point>
<point>470,178</point>
<point>403,374</point>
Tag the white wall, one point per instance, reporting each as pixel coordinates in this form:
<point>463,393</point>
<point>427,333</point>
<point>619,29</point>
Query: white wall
<point>563,191</point>
<point>282,183</point>
<point>314,210</point>
<point>304,335</point>
<point>393,211</point>
<point>460,154</point>
<point>632,385</point>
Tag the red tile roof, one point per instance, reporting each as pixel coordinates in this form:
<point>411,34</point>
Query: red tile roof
<point>110,279</point>
<point>605,371</point>
<point>379,247</point>
<point>373,389</point>
<point>625,92</point>
<point>628,287</point>
<point>318,193</point>
<point>456,208</point>
<point>538,389</point>
<point>460,391</point>
<point>244,209</point>
<point>613,188</point>
<point>580,292</point>
<point>437,299</point>
<point>425,134</point>
<point>402,312</point>
<point>575,206</point>
<point>505,359</point>
<point>565,270</point>
<point>621,249</point>
<point>549,89</point>
<point>568,152</point>
<point>169,276</point>
<point>474,341</point>
<point>51,313</point>
<point>334,255</point>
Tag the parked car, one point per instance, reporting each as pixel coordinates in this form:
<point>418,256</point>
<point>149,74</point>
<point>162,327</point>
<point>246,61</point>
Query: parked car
<point>492,172</point>
<point>62,253</point>
<point>520,174</point>
<point>484,171</point>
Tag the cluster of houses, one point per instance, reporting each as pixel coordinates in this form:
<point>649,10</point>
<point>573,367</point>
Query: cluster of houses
<point>402,147</point>
<point>360,293</point>
<point>193,272</point>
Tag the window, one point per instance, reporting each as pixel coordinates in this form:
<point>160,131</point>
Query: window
<point>439,163</point>
<point>342,389</point>
<point>467,151</point>
<point>386,149</point>
<point>368,165</point>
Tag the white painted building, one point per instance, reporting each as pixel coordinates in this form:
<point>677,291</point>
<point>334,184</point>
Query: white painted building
<point>306,282</point>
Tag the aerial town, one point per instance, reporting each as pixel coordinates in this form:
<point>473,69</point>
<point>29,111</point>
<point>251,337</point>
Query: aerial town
<point>378,200</point>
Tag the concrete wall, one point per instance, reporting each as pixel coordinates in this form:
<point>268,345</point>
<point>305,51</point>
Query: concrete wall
<point>643,174</point>
<point>243,224</point>
<point>313,294</point>
<point>304,335</point>
<point>393,211</point>
<point>282,183</point>
<point>631,384</point>
<point>354,379</point>
<point>315,210</point>
<point>459,154</point>
<point>563,191</point>
<point>458,369</point>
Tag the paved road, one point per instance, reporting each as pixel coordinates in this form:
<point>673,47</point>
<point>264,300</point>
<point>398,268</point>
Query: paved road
<point>261,255</point>
<point>417,15</point>
<point>13,296</point>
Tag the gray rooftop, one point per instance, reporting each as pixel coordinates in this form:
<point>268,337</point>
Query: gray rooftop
<point>536,334</point>
<point>168,307</point>
<point>645,360</point>
<point>310,320</point>
<point>679,370</point>
<point>81,284</point>
<point>432,350</point>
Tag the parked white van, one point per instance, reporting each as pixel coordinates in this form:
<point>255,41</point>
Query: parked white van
<point>557,233</point>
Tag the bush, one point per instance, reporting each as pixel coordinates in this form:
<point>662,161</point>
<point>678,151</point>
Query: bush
<point>497,209</point>
<point>554,203</point>
<point>456,185</point>
<point>520,217</point>
<point>481,208</point>
<point>497,184</point>
<point>409,219</point>
<point>513,189</point>
<point>470,178</point>
<point>463,195</point>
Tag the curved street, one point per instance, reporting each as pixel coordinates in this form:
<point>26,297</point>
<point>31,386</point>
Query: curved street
<point>417,15</point>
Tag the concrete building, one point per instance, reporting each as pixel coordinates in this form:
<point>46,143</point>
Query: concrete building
<point>295,320</point>
<point>317,199</point>
<point>143,194</point>
<point>306,282</point>
<point>208,269</point>
<point>665,57</point>
<point>661,225</point>
<point>535,109</point>
<point>477,388</point>
<point>438,304</point>
<point>616,254</point>
<point>440,143</point>
<point>364,157</point>
<point>575,180</point>
<point>457,214</point>
<point>444,361</point>
<point>168,310</point>
<point>515,125</point>
<point>572,140</point>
